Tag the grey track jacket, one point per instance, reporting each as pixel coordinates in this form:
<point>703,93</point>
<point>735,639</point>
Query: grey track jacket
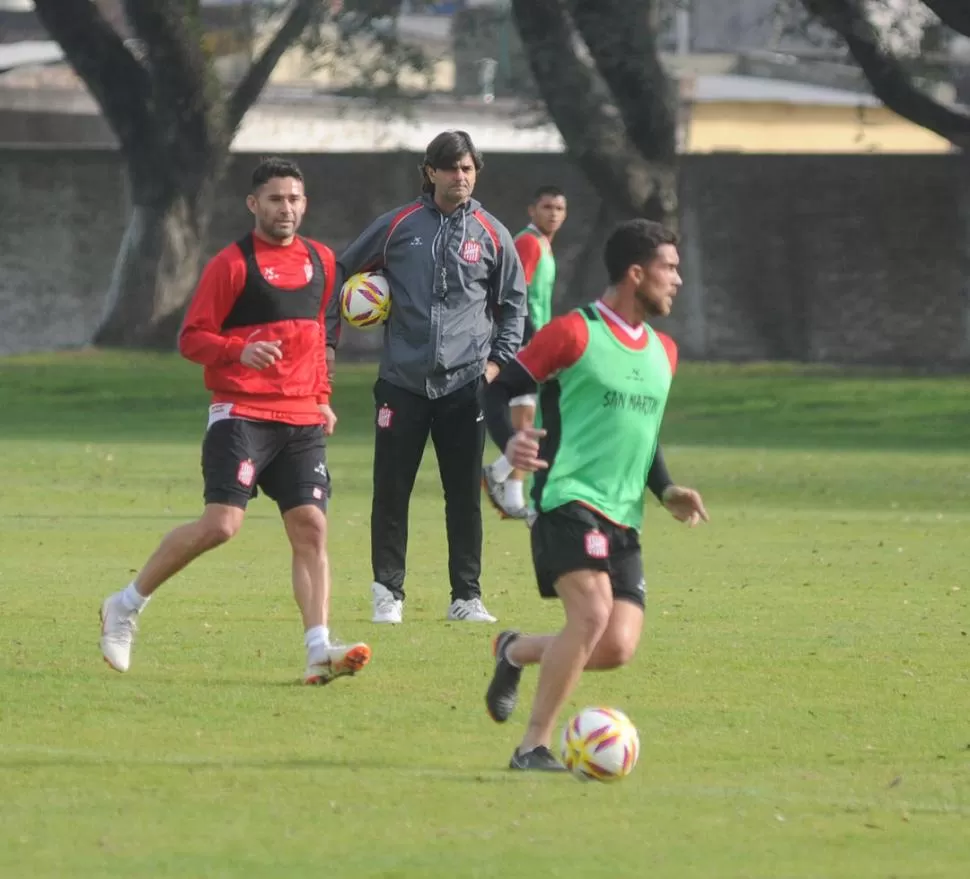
<point>458,294</point>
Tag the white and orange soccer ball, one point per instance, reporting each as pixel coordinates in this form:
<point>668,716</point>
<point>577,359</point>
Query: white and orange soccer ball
<point>365,300</point>
<point>600,744</point>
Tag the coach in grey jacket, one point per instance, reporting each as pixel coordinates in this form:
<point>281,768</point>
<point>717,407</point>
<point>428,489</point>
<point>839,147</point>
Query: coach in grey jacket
<point>458,297</point>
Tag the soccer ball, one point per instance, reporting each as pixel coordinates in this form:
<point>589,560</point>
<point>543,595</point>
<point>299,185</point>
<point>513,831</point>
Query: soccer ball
<point>365,300</point>
<point>600,744</point>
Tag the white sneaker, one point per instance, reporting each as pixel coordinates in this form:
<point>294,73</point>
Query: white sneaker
<point>470,610</point>
<point>495,492</point>
<point>118,627</point>
<point>330,661</point>
<point>387,608</point>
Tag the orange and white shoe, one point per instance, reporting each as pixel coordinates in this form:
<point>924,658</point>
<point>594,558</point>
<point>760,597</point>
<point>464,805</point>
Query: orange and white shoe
<point>495,492</point>
<point>334,661</point>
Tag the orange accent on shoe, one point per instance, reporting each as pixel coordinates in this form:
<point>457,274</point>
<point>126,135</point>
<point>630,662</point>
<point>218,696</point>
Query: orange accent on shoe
<point>501,513</point>
<point>354,660</point>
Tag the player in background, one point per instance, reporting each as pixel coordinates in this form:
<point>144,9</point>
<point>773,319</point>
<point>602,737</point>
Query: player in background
<point>547,212</point>
<point>604,375</point>
<point>256,323</point>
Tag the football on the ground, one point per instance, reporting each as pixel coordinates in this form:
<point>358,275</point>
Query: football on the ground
<point>600,744</point>
<point>365,300</point>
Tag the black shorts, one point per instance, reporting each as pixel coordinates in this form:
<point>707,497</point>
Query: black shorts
<point>574,538</point>
<point>288,462</point>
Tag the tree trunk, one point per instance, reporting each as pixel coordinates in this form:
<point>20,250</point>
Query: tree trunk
<point>583,106</point>
<point>587,282</point>
<point>156,269</point>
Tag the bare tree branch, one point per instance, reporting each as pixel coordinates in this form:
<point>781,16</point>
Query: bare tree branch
<point>119,84</point>
<point>623,42</point>
<point>954,14</point>
<point>581,108</point>
<point>890,81</point>
<point>250,86</point>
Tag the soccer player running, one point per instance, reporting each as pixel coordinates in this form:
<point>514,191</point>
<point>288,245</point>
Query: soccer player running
<point>603,377</point>
<point>256,323</point>
<point>547,212</point>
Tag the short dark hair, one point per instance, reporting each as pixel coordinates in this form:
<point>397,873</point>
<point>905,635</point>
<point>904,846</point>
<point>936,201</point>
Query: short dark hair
<point>547,189</point>
<point>634,242</point>
<point>445,151</point>
<point>272,167</point>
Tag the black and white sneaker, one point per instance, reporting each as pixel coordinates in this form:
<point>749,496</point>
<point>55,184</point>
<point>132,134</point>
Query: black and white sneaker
<point>539,759</point>
<point>503,690</point>
<point>495,492</point>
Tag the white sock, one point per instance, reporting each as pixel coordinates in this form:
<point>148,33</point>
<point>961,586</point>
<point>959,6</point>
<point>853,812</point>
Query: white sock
<point>514,495</point>
<point>509,659</point>
<point>316,636</point>
<point>501,469</point>
<point>132,599</point>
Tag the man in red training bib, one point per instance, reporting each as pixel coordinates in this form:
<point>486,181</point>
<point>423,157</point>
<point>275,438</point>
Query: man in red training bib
<point>256,323</point>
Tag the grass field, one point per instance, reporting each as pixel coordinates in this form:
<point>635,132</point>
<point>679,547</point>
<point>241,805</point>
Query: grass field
<point>801,690</point>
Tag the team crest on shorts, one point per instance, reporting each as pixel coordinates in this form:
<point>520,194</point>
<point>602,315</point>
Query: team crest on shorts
<point>471,250</point>
<point>597,545</point>
<point>384,417</point>
<point>246,473</point>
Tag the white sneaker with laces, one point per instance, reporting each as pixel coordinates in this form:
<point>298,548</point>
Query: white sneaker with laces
<point>387,608</point>
<point>470,610</point>
<point>330,661</point>
<point>118,627</point>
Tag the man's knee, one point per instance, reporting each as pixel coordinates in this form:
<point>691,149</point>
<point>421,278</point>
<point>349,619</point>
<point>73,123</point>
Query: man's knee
<point>588,603</point>
<point>614,652</point>
<point>307,527</point>
<point>219,524</point>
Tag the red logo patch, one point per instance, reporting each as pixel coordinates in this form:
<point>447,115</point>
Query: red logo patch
<point>384,417</point>
<point>246,473</point>
<point>471,251</point>
<point>597,545</point>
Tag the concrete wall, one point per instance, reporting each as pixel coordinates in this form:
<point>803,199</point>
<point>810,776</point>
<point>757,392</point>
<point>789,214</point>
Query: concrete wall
<point>849,259</point>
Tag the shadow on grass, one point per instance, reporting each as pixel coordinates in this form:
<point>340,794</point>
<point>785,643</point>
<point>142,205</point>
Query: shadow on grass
<point>73,759</point>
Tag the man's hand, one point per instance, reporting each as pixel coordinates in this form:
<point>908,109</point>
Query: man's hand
<point>328,417</point>
<point>522,452</point>
<point>259,355</point>
<point>491,370</point>
<point>685,505</point>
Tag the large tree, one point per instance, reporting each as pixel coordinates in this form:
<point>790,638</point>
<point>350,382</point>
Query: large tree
<point>597,68</point>
<point>596,65</point>
<point>174,125</point>
<point>879,35</point>
<point>175,121</point>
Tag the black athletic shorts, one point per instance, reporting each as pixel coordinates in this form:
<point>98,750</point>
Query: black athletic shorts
<point>288,462</point>
<point>574,538</point>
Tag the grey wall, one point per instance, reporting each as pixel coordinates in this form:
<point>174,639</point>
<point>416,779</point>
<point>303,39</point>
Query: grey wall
<point>849,259</point>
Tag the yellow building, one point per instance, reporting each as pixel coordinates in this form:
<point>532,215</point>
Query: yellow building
<point>746,114</point>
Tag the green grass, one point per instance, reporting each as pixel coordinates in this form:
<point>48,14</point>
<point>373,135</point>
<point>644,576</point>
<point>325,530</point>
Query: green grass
<point>801,688</point>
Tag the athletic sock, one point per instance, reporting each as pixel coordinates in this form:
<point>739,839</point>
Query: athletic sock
<point>132,599</point>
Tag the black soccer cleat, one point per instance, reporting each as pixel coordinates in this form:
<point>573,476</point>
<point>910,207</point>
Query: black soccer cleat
<point>503,690</point>
<point>539,759</point>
